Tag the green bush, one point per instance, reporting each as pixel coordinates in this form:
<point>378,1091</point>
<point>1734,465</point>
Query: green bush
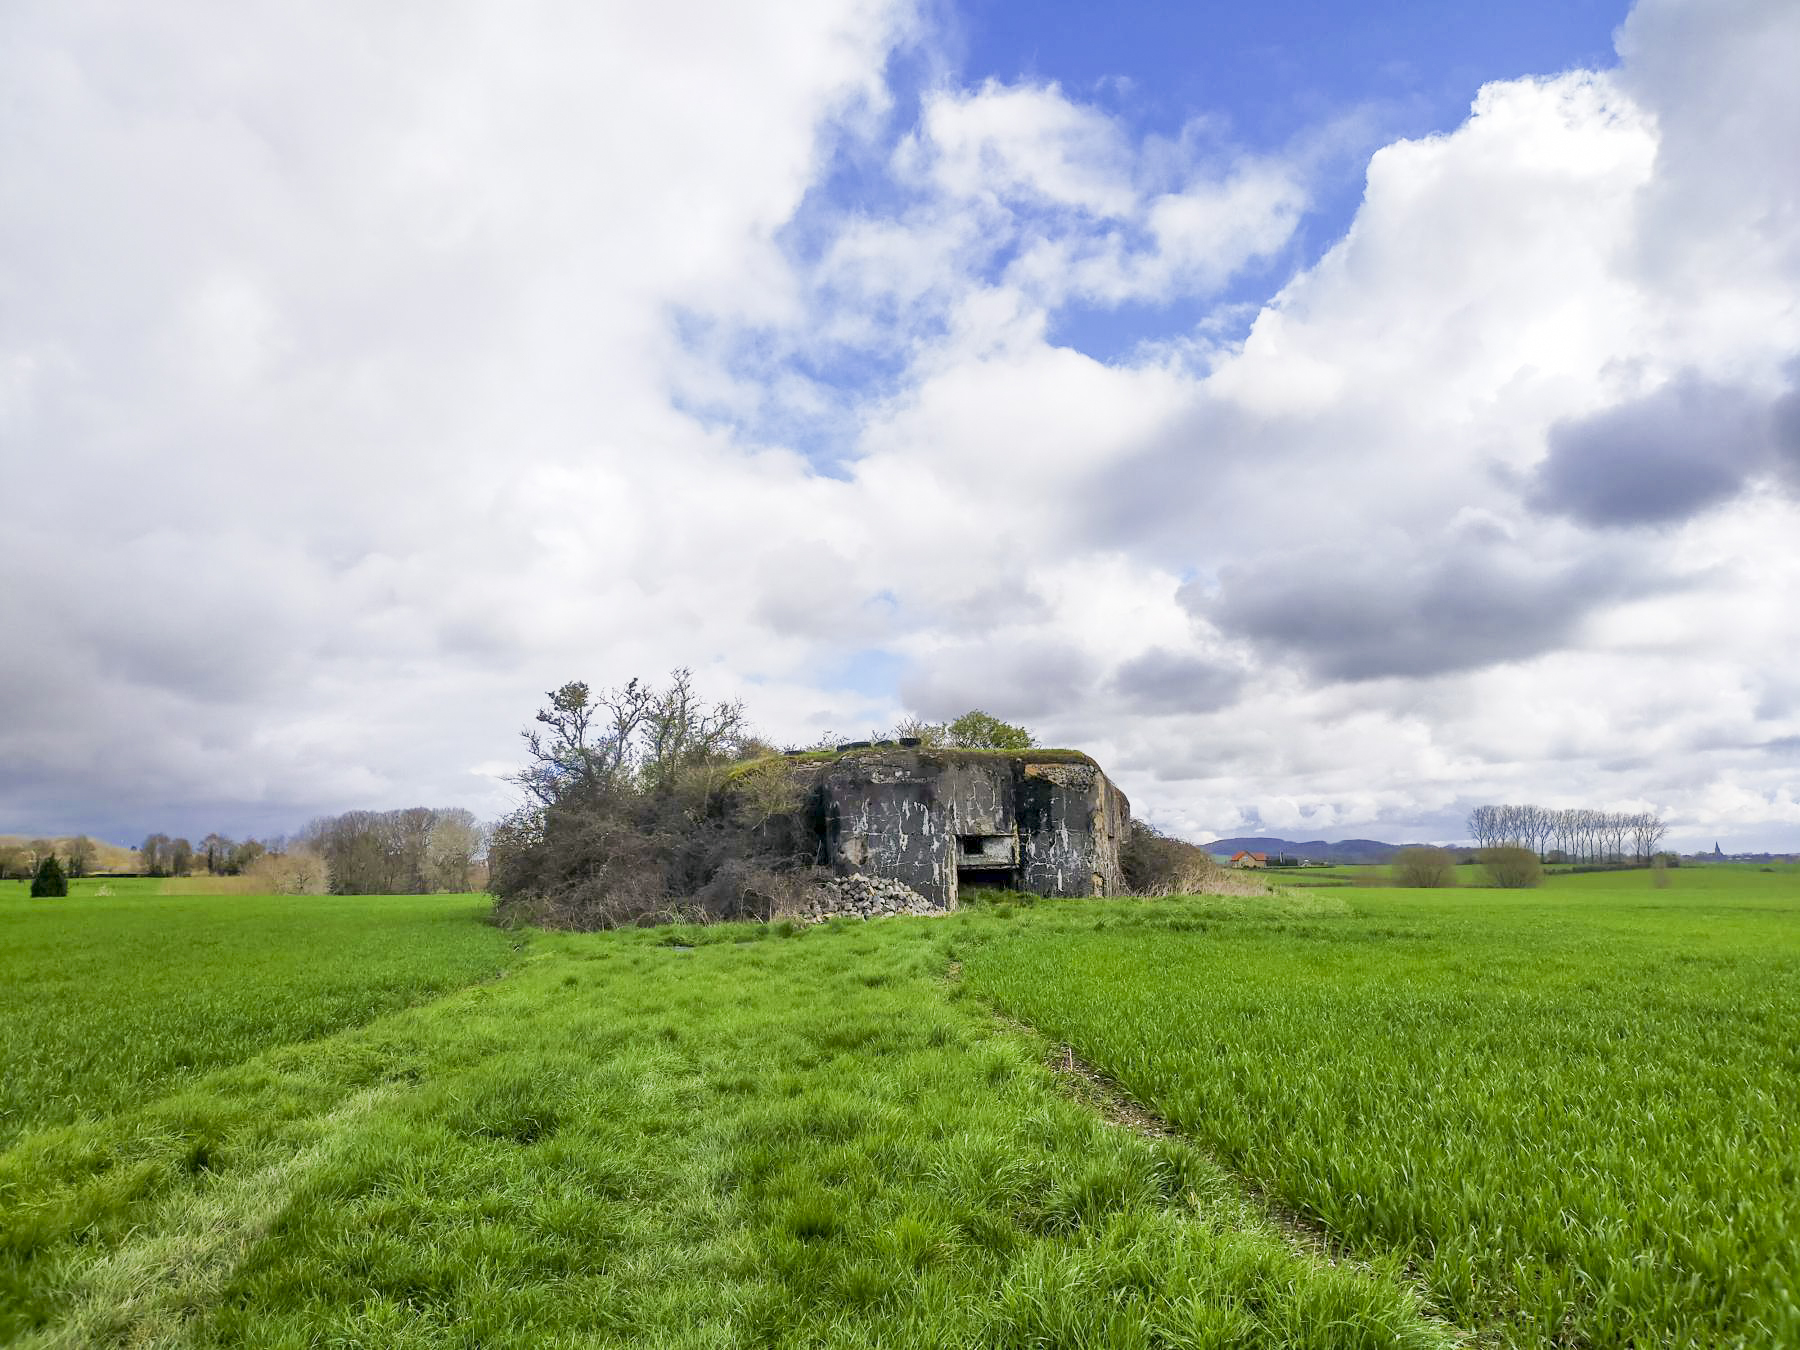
<point>977,730</point>
<point>50,879</point>
<point>1511,867</point>
<point>1427,867</point>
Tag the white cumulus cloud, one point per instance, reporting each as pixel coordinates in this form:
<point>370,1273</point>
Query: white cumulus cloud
<point>365,372</point>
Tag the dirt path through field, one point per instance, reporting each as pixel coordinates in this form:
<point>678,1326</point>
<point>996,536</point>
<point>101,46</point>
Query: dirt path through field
<point>1103,1095</point>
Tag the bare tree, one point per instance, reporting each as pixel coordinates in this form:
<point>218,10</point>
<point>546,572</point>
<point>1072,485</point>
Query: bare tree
<point>1587,834</point>
<point>1580,834</point>
<point>215,849</point>
<point>571,755</point>
<point>407,852</point>
<point>1616,827</point>
<point>643,803</point>
<point>1565,830</point>
<point>298,871</point>
<point>1647,830</point>
<point>153,855</point>
<point>1544,826</point>
<point>456,842</point>
<point>81,855</point>
<point>682,730</point>
<point>410,832</point>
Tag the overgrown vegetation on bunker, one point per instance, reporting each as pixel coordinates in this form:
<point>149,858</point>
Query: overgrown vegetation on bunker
<point>646,804</point>
<point>654,805</point>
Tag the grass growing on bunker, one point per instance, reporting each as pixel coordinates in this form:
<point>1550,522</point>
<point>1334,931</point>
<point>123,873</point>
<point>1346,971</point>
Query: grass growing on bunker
<point>1573,1109</point>
<point>723,1136</point>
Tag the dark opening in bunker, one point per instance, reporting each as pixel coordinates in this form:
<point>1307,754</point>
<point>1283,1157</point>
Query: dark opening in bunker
<point>987,878</point>
<point>990,860</point>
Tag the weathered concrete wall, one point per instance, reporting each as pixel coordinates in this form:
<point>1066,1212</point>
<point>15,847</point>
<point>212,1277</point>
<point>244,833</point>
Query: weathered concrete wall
<point>927,818</point>
<point>1072,824</point>
<point>879,814</point>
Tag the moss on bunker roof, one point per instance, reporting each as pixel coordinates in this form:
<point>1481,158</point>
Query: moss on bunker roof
<point>929,755</point>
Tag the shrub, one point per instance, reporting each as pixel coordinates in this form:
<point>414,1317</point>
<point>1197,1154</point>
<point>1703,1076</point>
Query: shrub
<point>976,730</point>
<point>49,880</point>
<point>1424,867</point>
<point>1157,864</point>
<point>298,871</point>
<point>702,843</point>
<point>649,806</point>
<point>1511,868</point>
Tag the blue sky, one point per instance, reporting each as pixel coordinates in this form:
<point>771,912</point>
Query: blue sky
<point>1277,70</point>
<point>1332,417</point>
<point>1328,82</point>
<point>1268,76</point>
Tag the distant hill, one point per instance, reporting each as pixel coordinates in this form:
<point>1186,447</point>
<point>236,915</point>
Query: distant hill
<point>107,857</point>
<point>1315,850</point>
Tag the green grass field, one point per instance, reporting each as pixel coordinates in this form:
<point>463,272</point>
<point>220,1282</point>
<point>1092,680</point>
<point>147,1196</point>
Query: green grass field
<point>1402,1119</point>
<point>1574,1108</point>
<point>773,1136</point>
<point>108,999</point>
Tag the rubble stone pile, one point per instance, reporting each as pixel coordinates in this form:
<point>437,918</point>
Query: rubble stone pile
<point>863,897</point>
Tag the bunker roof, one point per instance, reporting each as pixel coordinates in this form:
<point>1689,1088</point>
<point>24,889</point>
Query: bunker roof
<point>920,753</point>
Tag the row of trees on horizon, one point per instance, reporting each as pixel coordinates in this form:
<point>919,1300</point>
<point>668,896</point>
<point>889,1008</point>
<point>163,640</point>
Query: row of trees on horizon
<point>1569,834</point>
<point>411,851</point>
<point>18,861</point>
<point>217,855</point>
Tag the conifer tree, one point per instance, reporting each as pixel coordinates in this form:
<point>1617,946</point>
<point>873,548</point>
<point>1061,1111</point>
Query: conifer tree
<point>49,879</point>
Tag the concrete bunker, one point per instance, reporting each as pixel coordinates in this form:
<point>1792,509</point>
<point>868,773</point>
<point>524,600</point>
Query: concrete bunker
<point>940,821</point>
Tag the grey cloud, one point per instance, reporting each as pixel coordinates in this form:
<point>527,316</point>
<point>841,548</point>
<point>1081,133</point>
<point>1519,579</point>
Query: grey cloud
<point>1157,495</point>
<point>1012,600</point>
<point>356,419</point>
<point>1359,613</point>
<point>1719,79</point>
<point>1784,428</point>
<point>1659,459</point>
<point>1162,681</point>
<point>1029,680</point>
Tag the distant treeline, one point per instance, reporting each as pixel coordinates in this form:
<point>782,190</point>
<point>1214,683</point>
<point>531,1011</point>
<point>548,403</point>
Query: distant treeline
<point>162,856</point>
<point>1574,834</point>
<point>20,859</point>
<point>407,852</point>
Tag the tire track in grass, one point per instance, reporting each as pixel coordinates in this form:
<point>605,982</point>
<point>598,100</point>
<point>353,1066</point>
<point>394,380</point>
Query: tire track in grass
<point>1103,1095</point>
<point>157,1288</point>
